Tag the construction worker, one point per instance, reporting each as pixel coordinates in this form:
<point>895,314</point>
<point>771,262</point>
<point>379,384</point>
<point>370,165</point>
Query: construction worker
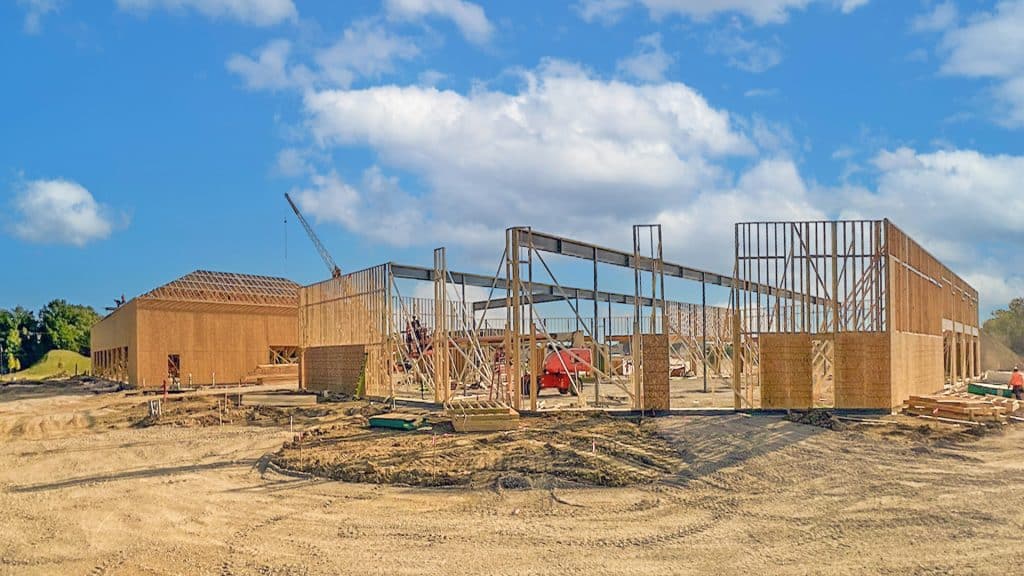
<point>1017,383</point>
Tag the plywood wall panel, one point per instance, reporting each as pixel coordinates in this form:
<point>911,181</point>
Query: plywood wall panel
<point>224,344</point>
<point>916,366</point>
<point>862,370</point>
<point>654,361</point>
<point>785,370</point>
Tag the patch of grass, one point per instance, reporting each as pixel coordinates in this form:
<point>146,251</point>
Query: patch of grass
<point>53,364</point>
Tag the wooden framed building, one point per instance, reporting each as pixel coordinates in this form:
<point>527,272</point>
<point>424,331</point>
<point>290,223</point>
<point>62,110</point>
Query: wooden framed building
<point>829,314</point>
<point>856,314</point>
<point>203,328</point>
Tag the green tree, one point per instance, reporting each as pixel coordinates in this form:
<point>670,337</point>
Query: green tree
<point>66,326</point>
<point>12,347</point>
<point>28,347</point>
<point>1007,324</point>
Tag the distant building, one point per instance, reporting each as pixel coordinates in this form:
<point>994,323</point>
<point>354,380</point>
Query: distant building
<point>203,328</point>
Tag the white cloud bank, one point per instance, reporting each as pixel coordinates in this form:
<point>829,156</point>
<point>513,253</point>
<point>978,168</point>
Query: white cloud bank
<point>566,149</point>
<point>59,212</point>
<point>251,12</point>
<point>584,156</point>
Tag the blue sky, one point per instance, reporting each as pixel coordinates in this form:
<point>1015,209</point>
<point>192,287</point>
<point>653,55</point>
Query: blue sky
<point>142,139</point>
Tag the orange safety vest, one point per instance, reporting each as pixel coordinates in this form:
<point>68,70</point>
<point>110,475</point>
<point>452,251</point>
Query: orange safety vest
<point>1017,380</point>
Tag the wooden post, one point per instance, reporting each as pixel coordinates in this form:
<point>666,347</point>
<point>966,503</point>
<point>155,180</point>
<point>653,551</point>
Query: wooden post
<point>442,384</point>
<point>534,366</point>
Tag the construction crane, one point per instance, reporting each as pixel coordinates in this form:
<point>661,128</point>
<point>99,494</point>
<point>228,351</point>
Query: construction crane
<point>324,254</point>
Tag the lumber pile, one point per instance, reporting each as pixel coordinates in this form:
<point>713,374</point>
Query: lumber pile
<point>273,374</point>
<point>962,407</point>
<point>473,415</point>
<point>279,400</point>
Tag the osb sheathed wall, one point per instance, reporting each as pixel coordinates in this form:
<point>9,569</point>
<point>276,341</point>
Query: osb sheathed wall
<point>116,332</point>
<point>862,370</point>
<point>923,293</point>
<point>216,343</point>
<point>916,366</point>
<point>333,368</point>
<point>786,380</point>
<point>349,310</point>
<point>654,364</point>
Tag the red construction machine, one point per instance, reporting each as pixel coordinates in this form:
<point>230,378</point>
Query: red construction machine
<point>561,369</point>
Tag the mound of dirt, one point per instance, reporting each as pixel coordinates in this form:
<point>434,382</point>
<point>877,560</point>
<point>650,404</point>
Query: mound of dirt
<point>546,451</point>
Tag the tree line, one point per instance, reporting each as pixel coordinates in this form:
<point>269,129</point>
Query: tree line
<point>25,336</point>
<point>1007,325</point>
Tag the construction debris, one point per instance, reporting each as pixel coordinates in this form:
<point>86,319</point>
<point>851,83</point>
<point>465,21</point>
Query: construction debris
<point>821,418</point>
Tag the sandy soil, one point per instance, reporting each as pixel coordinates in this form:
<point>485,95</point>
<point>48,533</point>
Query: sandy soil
<point>84,492</point>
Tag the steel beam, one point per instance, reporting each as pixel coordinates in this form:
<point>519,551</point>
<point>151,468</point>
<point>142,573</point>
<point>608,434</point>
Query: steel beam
<point>542,292</point>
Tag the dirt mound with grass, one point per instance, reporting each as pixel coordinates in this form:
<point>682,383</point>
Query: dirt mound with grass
<point>546,451</point>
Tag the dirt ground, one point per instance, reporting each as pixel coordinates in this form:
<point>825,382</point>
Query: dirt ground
<point>86,489</point>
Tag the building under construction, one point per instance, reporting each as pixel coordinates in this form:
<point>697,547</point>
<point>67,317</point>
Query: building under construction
<point>837,314</point>
<point>203,328</point>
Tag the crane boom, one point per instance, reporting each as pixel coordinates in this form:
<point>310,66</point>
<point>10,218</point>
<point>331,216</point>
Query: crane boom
<point>324,254</point>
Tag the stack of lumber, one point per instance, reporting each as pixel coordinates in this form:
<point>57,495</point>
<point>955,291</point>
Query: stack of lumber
<point>961,407</point>
<point>473,415</point>
<point>279,400</point>
<point>273,374</point>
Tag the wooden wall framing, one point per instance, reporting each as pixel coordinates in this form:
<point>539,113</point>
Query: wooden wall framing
<point>883,310</point>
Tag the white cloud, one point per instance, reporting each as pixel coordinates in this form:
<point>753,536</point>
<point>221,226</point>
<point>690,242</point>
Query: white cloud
<point>293,162</point>
<point>379,210</point>
<point>991,45</point>
<point>59,212</point>
<point>761,92</point>
<point>606,11</point>
<point>649,63</point>
<point>759,11</point>
<point>34,12</point>
<point>960,204</point>
<point>364,50</point>
<point>747,55</point>
<point>586,157</point>
<point>942,17</point>
<point>566,151</point>
<point>467,16</point>
<point>431,77</point>
<point>252,12</point>
<point>996,285</point>
<point>270,70</point>
<point>848,6</point>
